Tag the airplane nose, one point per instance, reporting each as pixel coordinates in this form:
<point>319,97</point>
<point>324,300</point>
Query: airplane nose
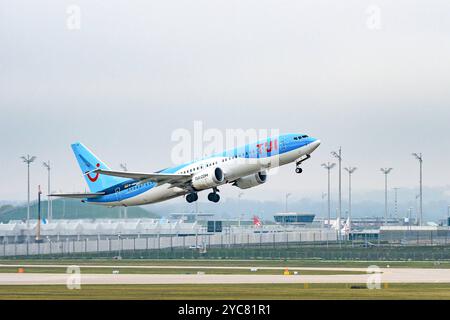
<point>314,145</point>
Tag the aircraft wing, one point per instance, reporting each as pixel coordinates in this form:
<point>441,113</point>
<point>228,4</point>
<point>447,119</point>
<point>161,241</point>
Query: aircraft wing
<point>77,195</point>
<point>172,178</point>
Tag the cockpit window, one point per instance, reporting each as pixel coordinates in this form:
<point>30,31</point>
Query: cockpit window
<point>295,138</point>
<point>305,136</point>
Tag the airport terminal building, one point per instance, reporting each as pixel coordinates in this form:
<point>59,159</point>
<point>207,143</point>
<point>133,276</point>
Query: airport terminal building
<point>293,218</point>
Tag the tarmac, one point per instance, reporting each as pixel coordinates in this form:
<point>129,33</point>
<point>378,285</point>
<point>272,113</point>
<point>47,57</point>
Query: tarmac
<point>385,275</point>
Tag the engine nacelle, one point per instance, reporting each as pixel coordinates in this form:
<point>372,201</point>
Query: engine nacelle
<point>251,181</point>
<point>208,179</point>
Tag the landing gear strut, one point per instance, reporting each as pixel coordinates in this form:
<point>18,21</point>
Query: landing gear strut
<point>192,197</point>
<point>299,162</point>
<point>214,196</point>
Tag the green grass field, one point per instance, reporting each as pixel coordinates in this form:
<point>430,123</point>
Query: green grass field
<point>227,292</point>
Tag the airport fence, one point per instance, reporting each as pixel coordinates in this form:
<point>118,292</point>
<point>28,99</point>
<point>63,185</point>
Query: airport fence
<point>314,245</point>
<point>154,244</point>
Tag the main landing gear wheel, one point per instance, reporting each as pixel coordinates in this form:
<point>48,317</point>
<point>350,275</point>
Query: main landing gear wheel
<point>191,197</point>
<point>298,170</point>
<point>214,197</point>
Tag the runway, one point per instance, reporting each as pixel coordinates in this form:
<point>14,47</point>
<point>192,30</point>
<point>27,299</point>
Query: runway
<point>387,275</point>
<point>180,267</point>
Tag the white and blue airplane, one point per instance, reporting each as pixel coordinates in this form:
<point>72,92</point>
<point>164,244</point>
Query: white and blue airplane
<point>244,167</point>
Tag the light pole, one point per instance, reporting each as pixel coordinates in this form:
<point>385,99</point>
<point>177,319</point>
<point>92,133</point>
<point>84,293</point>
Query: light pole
<point>239,206</point>
<point>338,155</point>
<point>28,160</point>
<point>385,171</point>
<point>396,203</point>
<point>49,201</point>
<point>418,156</point>
<point>286,205</point>
<point>350,171</point>
<point>329,166</point>
<point>38,226</point>
<point>409,217</point>
<point>120,245</point>
<point>125,213</point>
<point>416,207</point>
<point>324,194</point>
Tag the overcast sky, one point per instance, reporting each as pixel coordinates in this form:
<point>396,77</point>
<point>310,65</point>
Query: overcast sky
<point>372,76</point>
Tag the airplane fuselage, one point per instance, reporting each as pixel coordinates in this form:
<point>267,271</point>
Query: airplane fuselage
<point>235,164</point>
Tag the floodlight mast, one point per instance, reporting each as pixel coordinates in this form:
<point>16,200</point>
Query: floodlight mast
<point>329,166</point>
<point>419,157</point>
<point>28,160</point>
<point>286,204</point>
<point>324,194</point>
<point>239,207</point>
<point>49,200</point>
<point>350,171</point>
<point>124,168</point>
<point>338,155</point>
<point>396,202</point>
<point>385,171</point>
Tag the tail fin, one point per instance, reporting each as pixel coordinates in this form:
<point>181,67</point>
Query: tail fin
<point>256,221</point>
<point>88,162</point>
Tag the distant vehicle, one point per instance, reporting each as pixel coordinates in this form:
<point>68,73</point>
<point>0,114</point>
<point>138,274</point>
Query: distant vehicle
<point>368,244</point>
<point>196,247</point>
<point>244,167</point>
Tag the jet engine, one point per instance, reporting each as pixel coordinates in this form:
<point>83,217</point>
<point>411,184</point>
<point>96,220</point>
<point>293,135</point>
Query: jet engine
<point>209,178</point>
<point>251,181</point>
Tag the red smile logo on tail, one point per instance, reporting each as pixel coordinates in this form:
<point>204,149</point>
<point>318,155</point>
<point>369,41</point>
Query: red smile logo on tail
<point>93,179</point>
<point>257,222</point>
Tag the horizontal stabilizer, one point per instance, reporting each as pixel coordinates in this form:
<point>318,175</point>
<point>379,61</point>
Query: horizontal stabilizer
<point>78,195</point>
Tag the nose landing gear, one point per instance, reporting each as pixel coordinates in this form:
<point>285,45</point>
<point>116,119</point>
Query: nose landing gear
<point>299,162</point>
